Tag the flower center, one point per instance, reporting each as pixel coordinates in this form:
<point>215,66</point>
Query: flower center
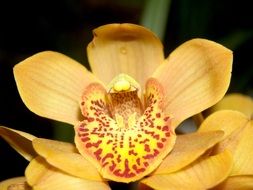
<point>123,102</point>
<point>124,106</point>
<point>124,142</point>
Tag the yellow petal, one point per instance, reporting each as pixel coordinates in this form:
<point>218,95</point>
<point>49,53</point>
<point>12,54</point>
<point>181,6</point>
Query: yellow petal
<point>17,183</point>
<point>237,102</point>
<point>236,183</point>
<point>53,145</point>
<point>41,176</point>
<point>225,120</point>
<point>35,170</point>
<point>187,149</point>
<point>124,48</point>
<point>238,138</point>
<point>20,141</point>
<point>64,156</point>
<point>195,76</point>
<point>50,84</point>
<point>241,146</point>
<point>202,174</point>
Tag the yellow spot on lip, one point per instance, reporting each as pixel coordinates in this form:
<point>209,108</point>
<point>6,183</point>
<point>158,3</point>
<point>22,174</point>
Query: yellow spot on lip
<point>121,85</point>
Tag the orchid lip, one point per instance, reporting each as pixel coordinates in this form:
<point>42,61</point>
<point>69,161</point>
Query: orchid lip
<point>124,142</point>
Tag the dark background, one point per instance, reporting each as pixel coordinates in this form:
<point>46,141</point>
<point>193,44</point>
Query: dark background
<point>27,27</point>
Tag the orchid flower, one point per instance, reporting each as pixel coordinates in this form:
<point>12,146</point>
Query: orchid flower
<point>125,112</point>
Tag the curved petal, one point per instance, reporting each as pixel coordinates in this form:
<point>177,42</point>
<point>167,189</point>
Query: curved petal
<point>241,144</point>
<point>17,183</point>
<point>237,102</point>
<point>40,175</point>
<point>238,138</point>
<point>20,141</point>
<point>236,183</point>
<point>65,157</point>
<point>225,120</point>
<point>203,174</point>
<point>195,76</point>
<point>53,145</point>
<point>124,48</point>
<point>50,84</point>
<point>187,149</point>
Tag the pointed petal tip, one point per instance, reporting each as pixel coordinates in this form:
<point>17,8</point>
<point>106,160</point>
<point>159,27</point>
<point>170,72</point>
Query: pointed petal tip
<point>20,141</point>
<point>225,120</point>
<point>187,149</point>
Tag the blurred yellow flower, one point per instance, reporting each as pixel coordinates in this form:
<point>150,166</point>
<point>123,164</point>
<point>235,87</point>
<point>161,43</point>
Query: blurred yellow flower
<point>238,139</point>
<point>125,112</point>
<point>235,101</point>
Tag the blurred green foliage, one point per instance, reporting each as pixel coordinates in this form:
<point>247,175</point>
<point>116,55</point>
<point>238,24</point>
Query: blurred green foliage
<point>154,16</point>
